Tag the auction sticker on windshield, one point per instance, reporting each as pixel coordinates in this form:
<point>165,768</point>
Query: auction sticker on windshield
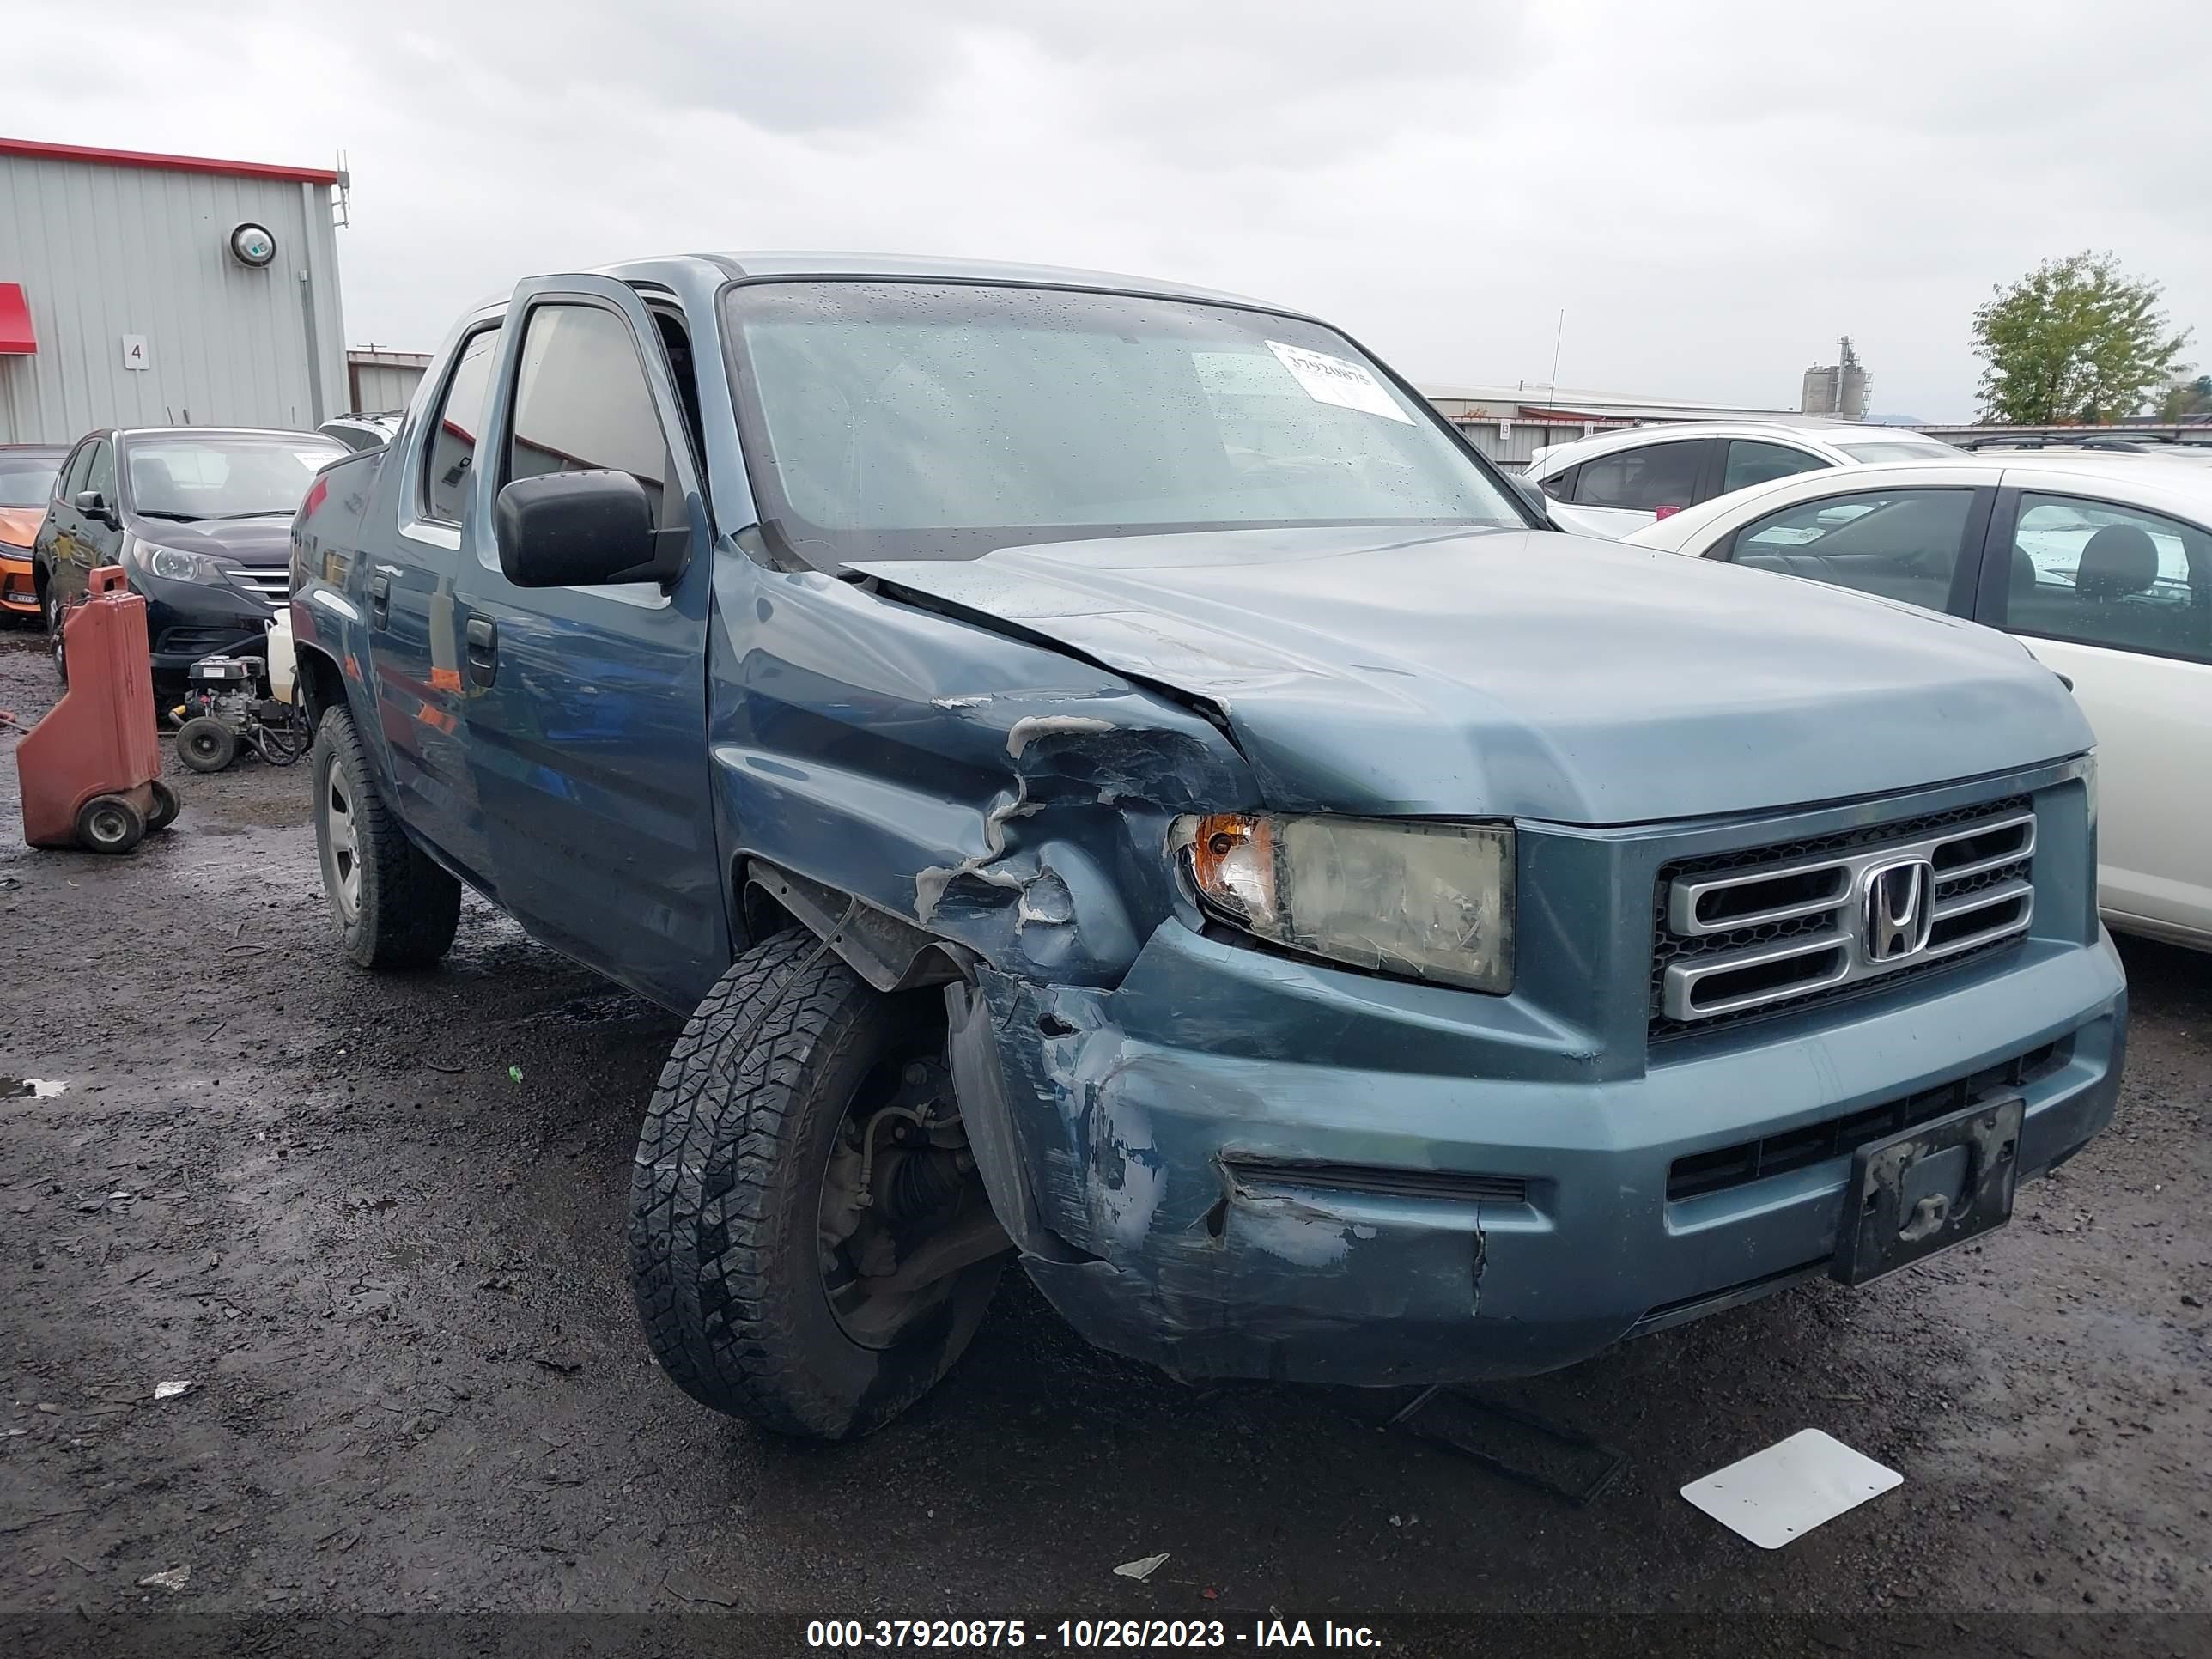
<point>1335,380</point>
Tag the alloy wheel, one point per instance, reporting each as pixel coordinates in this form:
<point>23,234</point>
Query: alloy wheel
<point>343,873</point>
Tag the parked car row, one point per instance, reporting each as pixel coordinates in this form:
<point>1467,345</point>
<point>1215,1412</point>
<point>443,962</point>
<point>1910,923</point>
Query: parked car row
<point>200,518</point>
<point>1116,782</point>
<point>1613,482</point>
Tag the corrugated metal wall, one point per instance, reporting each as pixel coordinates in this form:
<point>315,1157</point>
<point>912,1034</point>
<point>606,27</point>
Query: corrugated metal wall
<point>381,387</point>
<point>1516,445</point>
<point>105,251</point>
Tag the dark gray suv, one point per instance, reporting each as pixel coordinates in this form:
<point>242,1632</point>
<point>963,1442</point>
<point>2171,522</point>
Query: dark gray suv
<point>199,517</point>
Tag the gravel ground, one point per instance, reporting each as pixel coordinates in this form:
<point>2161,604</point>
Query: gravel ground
<point>393,1276</point>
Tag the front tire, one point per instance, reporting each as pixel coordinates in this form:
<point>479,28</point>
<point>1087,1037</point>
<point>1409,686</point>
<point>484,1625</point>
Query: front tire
<point>728,1259</point>
<point>393,906</point>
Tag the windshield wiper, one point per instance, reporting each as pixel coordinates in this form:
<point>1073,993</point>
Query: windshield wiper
<point>257,513</point>
<point>173,518</point>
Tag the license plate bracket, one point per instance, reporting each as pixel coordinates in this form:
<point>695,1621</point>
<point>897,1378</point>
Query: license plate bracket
<point>1930,1187</point>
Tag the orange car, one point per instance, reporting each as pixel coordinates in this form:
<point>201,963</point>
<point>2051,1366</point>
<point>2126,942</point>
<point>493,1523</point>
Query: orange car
<point>27,481</point>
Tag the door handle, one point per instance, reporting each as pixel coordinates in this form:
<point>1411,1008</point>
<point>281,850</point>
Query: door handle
<point>482,647</point>
<point>379,599</point>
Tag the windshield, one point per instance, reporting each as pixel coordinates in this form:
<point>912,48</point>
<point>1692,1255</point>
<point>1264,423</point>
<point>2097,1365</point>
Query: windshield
<point>28,480</point>
<point>1899,449</point>
<point>192,478</point>
<point>933,420</point>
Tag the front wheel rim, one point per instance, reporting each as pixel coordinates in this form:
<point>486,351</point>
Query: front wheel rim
<point>342,830</point>
<point>869,1321</point>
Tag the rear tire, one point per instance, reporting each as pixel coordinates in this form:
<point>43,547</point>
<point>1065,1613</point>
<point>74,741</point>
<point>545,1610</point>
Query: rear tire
<point>109,823</point>
<point>206,744</point>
<point>166,806</point>
<point>726,1254</point>
<point>394,907</point>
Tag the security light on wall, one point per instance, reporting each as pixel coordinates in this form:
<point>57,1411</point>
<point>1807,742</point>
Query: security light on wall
<point>252,244</point>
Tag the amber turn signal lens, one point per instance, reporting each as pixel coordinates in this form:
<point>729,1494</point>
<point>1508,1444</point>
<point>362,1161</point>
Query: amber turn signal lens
<point>1232,861</point>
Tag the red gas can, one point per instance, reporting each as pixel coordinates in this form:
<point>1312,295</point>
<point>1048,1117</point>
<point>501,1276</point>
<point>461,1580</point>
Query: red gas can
<point>90,769</point>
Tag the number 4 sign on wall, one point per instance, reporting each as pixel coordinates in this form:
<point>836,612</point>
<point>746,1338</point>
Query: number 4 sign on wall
<point>134,352</point>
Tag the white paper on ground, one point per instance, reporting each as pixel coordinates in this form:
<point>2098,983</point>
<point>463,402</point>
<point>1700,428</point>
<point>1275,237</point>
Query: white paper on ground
<point>1140,1569</point>
<point>1339,381</point>
<point>1785,1492</point>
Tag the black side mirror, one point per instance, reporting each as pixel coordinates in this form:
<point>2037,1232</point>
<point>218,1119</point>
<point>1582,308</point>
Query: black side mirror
<point>93,504</point>
<point>578,529</point>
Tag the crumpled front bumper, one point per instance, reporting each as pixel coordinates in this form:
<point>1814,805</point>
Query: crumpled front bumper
<point>1238,1165</point>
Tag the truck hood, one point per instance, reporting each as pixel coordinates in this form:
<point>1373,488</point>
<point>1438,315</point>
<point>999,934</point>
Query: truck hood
<point>1508,674</point>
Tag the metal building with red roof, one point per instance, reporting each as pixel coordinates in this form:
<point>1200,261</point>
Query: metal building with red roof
<point>140,288</point>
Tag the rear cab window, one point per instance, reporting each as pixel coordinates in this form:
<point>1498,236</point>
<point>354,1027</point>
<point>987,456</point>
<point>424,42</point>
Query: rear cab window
<point>449,449</point>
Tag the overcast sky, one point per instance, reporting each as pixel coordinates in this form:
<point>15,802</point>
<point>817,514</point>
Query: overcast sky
<point>1713,192</point>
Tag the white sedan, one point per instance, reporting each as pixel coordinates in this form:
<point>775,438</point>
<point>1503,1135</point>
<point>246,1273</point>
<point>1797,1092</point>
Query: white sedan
<point>1614,482</point>
<point>2101,564</point>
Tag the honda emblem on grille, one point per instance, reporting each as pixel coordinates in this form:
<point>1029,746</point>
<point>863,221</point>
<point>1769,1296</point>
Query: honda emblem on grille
<point>1895,913</point>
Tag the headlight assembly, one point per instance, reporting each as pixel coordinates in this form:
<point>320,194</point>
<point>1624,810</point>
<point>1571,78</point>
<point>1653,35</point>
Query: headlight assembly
<point>1422,901</point>
<point>174,563</point>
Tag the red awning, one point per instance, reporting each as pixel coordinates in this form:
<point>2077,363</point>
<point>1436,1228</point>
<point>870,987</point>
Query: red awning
<point>15,334</point>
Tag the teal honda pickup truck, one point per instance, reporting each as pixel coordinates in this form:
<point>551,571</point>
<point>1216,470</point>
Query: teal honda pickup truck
<point>1117,784</point>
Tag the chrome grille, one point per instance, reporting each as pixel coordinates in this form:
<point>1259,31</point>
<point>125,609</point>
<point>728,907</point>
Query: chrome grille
<point>271,582</point>
<point>1751,933</point>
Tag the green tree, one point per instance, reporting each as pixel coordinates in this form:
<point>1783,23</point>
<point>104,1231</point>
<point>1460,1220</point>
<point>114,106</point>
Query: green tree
<point>2075,339</point>
<point>2189,397</point>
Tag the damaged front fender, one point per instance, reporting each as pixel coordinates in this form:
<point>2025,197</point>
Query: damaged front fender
<point>992,793</point>
<point>940,802</point>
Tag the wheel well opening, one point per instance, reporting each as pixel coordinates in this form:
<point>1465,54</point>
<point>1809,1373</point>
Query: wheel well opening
<point>764,916</point>
<point>320,685</point>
